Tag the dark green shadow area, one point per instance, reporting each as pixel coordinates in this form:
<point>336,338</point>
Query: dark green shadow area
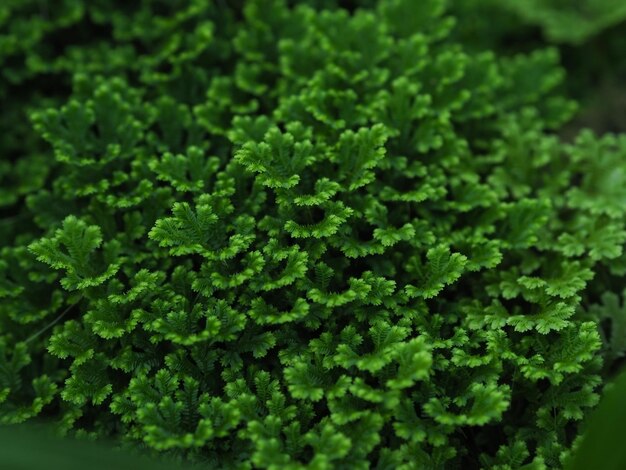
<point>35,448</point>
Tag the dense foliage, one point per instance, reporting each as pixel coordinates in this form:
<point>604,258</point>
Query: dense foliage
<point>275,234</point>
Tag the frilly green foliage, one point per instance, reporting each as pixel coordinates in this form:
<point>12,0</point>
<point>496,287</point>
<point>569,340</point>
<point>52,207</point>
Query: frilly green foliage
<point>271,234</point>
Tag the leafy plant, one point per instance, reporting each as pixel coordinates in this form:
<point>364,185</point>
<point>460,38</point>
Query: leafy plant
<point>600,441</point>
<point>287,234</point>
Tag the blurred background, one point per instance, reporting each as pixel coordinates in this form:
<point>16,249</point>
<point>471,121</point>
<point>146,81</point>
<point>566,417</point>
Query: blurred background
<point>589,34</point>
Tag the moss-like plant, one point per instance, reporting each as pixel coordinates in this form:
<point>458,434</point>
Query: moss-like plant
<point>271,234</point>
